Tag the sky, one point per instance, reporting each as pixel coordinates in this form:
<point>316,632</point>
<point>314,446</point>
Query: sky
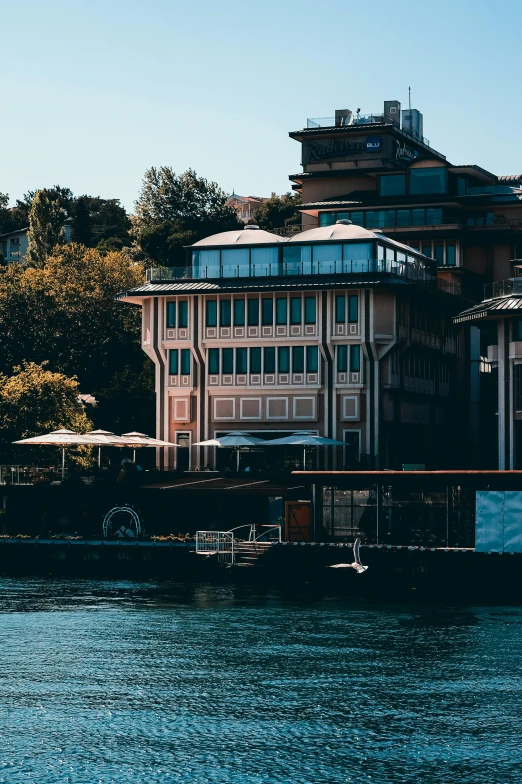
<point>97,91</point>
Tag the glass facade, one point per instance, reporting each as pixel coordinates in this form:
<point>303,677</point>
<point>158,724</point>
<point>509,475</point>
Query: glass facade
<point>392,185</point>
<point>380,219</point>
<point>235,262</point>
<point>431,180</point>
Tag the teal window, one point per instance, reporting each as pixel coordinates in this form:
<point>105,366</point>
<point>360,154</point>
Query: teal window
<point>213,360</point>
<point>340,309</point>
<point>342,359</point>
<point>309,310</point>
<point>355,359</point>
<point>438,252</point>
<point>296,259</point>
<point>269,359</point>
<point>393,185</point>
<point>377,219</point>
<point>253,312</point>
<point>206,263</point>
<point>183,313</point>
<point>426,249</point>
<point>283,359</point>
<point>312,359</point>
<point>432,180</point>
<point>418,217</point>
<point>295,310</point>
<point>281,310</point>
<point>225,313</point>
<point>297,359</point>
<point>433,216</point>
<point>462,186</point>
<point>241,360</point>
<point>267,311</point>
<point>236,263</point>
<point>403,218</point>
<point>173,362</point>
<point>239,312</point>
<point>264,261</point>
<point>353,308</point>
<point>211,313</point>
<point>227,360</point>
<point>357,218</point>
<point>326,258</point>
<point>171,314</point>
<point>185,362</point>
<point>327,218</point>
<point>451,255</point>
<point>255,360</point>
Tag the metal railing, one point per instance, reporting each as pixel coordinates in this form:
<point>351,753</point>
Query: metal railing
<point>503,288</point>
<point>450,287</point>
<point>362,119</point>
<point>220,543</point>
<point>403,269</point>
<point>29,475</point>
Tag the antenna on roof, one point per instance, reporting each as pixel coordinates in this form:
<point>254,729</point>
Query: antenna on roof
<point>409,100</point>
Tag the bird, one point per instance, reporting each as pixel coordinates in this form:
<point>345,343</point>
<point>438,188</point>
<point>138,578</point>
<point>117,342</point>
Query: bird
<point>357,565</point>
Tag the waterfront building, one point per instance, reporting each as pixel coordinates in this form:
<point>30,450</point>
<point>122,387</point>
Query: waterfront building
<point>13,244</point>
<point>339,330</point>
<point>380,171</point>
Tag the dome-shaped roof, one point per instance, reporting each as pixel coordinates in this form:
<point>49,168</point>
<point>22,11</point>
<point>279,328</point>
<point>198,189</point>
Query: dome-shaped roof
<point>250,235</point>
<point>337,232</point>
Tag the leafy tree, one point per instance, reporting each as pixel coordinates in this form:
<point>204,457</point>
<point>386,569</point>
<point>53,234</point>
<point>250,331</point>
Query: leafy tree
<point>174,210</point>
<point>6,218</point>
<point>279,211</point>
<point>33,401</point>
<point>98,222</point>
<point>46,219</point>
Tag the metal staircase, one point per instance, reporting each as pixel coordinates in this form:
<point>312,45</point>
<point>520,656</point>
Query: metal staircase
<point>249,553</point>
<point>235,552</point>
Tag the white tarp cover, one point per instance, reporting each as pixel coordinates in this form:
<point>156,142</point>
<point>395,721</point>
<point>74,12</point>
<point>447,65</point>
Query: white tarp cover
<point>498,521</point>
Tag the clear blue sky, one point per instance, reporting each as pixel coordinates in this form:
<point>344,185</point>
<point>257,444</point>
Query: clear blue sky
<point>96,91</point>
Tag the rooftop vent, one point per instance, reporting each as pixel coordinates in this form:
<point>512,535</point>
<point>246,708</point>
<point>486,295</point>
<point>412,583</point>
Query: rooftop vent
<point>344,222</point>
<point>251,227</point>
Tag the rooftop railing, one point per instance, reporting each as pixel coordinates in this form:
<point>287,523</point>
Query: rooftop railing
<point>403,269</point>
<point>503,288</point>
<point>362,119</point>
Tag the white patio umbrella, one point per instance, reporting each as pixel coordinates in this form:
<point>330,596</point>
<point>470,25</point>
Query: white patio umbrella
<point>101,438</point>
<point>138,440</point>
<point>236,440</point>
<point>61,438</point>
<point>304,438</point>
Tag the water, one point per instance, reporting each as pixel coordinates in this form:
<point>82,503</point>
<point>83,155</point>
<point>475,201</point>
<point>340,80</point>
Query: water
<point>131,683</point>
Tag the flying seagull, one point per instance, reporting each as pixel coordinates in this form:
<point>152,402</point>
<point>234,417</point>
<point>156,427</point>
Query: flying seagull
<point>357,565</point>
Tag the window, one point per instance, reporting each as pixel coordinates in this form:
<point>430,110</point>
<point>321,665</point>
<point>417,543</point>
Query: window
<point>393,185</point>
<point>342,359</point>
<point>433,216</point>
<point>264,261</point>
<point>517,334</point>
<point>206,263</point>
<point>297,259</point>
<point>173,362</point>
<point>185,362</point>
<point>432,180</point>
<point>353,308</point>
<point>236,262</point>
<point>171,314</point>
<point>253,312</point>
<point>269,359</point>
<point>211,314</point>
<point>183,313</point>
<point>355,359</point>
<point>309,310</point>
<point>267,311</point>
<point>357,218</point>
<point>376,219</point>
<point>255,360</point>
<point>438,252</point>
<point>426,249</point>
<point>295,310</point>
<point>239,312</point>
<point>312,359</point>
<point>340,309</point>
<point>227,360</point>
<point>462,186</point>
<point>213,360</point>
<point>451,256</point>
<point>327,218</point>
<point>327,258</point>
<point>418,217</point>
<point>241,360</point>
<point>297,359</point>
<point>281,310</point>
<point>283,359</point>
<point>403,218</point>
<point>224,313</point>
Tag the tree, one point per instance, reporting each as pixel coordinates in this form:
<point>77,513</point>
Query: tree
<point>174,210</point>
<point>33,401</point>
<point>279,211</point>
<point>46,219</point>
<point>101,223</point>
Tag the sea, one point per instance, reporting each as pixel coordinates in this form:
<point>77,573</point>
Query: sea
<point>138,683</point>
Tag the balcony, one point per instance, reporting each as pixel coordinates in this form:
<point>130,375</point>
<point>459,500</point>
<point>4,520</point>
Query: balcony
<point>402,269</point>
<point>503,288</point>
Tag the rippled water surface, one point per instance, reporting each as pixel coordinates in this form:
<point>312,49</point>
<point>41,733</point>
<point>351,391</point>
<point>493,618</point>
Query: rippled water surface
<point>131,683</point>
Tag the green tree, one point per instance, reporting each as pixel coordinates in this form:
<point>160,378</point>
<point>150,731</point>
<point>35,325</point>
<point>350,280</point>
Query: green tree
<point>101,223</point>
<point>46,219</point>
<point>279,211</point>
<point>174,210</point>
<point>33,401</point>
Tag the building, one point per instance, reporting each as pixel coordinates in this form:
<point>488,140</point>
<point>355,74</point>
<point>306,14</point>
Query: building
<point>13,244</point>
<point>245,206</point>
<point>496,326</point>
<point>340,330</point>
<point>379,171</point>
